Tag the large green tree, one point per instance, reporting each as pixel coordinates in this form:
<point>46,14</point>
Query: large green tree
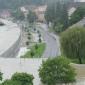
<point>73,43</point>
<point>56,70</point>
<point>56,13</point>
<point>77,15</point>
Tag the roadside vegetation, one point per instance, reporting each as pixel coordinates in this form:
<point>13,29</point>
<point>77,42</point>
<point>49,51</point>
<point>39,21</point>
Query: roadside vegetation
<point>36,51</point>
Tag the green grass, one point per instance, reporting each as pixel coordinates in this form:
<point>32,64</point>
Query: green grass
<point>35,52</point>
<point>77,61</point>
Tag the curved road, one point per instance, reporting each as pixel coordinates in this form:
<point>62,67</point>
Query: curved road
<point>52,42</point>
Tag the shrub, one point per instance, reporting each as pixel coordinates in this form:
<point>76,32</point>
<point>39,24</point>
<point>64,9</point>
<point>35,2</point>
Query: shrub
<point>23,78</point>
<point>56,70</point>
<point>73,43</point>
<point>19,79</point>
<point>10,82</point>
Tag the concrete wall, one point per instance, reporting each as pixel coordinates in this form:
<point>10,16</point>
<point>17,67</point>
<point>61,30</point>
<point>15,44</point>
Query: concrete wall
<point>13,50</point>
<point>80,70</point>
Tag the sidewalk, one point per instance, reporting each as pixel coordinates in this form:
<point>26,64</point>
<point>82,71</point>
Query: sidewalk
<point>31,66</point>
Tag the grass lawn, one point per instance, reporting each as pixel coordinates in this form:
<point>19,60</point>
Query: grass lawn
<point>36,51</point>
<point>77,61</point>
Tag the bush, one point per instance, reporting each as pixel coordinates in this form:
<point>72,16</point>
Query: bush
<point>10,82</point>
<point>56,70</point>
<point>73,43</point>
<point>23,78</point>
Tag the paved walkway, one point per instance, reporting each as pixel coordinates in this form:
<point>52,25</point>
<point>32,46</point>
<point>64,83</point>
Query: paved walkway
<point>31,66</point>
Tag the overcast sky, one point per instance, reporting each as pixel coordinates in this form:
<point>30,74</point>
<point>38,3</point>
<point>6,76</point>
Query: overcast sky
<point>82,0</point>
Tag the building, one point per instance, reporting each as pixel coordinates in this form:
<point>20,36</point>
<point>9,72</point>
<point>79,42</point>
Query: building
<point>40,12</point>
<point>5,14</point>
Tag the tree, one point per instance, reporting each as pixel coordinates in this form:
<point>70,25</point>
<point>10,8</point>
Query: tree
<point>56,70</point>
<point>1,74</point>
<point>73,43</point>
<point>32,53</point>
<point>31,17</point>
<point>58,28</point>
<point>18,15</point>
<point>77,15</point>
<point>23,78</point>
<point>57,13</point>
<point>40,40</point>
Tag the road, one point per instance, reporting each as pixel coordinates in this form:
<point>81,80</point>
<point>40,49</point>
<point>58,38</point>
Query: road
<point>52,42</point>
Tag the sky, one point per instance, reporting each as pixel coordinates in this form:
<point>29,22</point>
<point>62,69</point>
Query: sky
<point>82,0</point>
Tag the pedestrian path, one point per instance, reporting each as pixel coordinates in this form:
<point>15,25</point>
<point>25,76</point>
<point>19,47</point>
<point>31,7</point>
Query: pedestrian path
<point>11,65</point>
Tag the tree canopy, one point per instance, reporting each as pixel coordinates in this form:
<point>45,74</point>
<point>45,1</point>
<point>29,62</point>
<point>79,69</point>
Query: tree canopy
<point>73,43</point>
<point>19,79</point>
<point>57,14</point>
<point>77,15</point>
<point>56,70</point>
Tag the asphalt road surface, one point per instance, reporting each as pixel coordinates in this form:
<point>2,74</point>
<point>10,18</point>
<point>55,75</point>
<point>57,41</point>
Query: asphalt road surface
<point>52,42</point>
